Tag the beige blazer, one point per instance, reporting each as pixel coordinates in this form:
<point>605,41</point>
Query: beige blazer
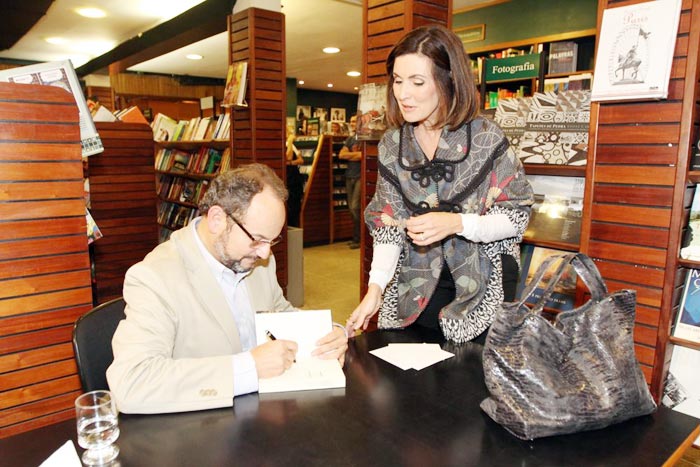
<point>173,352</point>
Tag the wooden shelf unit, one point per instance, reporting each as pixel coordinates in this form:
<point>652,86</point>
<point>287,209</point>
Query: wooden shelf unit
<point>123,204</point>
<point>45,282</point>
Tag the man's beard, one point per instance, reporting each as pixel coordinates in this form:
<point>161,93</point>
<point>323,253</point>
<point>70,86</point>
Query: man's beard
<point>226,259</point>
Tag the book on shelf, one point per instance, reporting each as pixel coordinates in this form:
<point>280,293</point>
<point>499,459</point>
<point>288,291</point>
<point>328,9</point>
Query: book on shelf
<point>163,127</point>
<point>548,128</point>
<point>234,92</point>
<point>691,240</point>
<point>61,74</point>
<point>563,297</point>
<point>577,82</point>
<point>558,209</point>
<point>635,51</point>
<point>131,114</point>
<point>562,57</point>
<point>695,154</point>
<point>687,325</point>
<point>371,111</point>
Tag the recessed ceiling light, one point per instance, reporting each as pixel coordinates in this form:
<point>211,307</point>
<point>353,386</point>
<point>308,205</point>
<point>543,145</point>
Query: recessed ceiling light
<point>330,85</point>
<point>193,56</point>
<point>356,88</point>
<point>331,50</point>
<point>301,81</point>
<point>56,40</point>
<point>353,73</point>
<point>91,12</point>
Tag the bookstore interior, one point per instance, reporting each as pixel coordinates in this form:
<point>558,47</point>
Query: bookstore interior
<point>596,99</point>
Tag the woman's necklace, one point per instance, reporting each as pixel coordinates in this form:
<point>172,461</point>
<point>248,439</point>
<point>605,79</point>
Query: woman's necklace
<point>427,140</point>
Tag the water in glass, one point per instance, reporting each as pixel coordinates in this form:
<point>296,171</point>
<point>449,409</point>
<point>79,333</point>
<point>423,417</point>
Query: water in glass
<point>98,428</point>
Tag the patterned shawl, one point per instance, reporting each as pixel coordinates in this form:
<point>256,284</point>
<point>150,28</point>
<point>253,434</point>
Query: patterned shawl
<point>473,171</point>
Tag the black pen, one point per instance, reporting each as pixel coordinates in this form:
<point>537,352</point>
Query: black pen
<point>270,336</point>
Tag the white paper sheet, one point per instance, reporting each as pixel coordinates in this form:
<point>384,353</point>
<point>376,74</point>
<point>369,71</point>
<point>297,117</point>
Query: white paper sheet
<point>65,456</point>
<point>416,356</point>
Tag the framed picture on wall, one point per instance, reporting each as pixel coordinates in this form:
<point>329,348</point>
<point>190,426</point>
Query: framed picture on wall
<point>303,112</point>
<point>474,33</point>
<point>337,114</point>
<point>320,113</point>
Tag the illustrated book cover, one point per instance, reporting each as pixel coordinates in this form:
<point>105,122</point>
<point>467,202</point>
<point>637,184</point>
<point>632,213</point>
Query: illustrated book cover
<point>234,92</point>
<point>691,240</point>
<point>635,51</point>
<point>61,74</point>
<point>688,320</point>
<point>371,111</point>
<point>564,294</point>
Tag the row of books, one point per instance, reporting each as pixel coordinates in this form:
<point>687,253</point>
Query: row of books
<point>194,129</point>
<point>181,189</point>
<point>205,160</point>
<point>577,82</point>
<point>493,97</point>
<point>175,216</point>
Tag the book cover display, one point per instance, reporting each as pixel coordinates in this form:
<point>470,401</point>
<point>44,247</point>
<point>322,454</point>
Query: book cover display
<point>562,57</point>
<point>371,111</point>
<point>563,297</point>
<point>234,92</point>
<point>61,74</point>
<point>635,51</point>
<point>547,128</point>
<point>688,320</point>
<point>558,209</point>
<point>691,242</point>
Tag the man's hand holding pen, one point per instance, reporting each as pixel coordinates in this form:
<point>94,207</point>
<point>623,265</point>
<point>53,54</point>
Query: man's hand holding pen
<point>274,357</point>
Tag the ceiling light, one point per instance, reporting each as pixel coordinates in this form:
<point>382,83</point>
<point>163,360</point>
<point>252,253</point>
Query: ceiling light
<point>353,73</point>
<point>331,50</point>
<point>330,85</point>
<point>91,12</point>
<point>301,81</point>
<point>356,88</point>
<point>193,56</point>
<point>56,40</point>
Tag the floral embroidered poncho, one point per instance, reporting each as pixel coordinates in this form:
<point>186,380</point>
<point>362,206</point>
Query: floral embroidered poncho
<point>473,171</point>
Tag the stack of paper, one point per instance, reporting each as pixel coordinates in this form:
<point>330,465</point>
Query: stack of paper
<point>416,356</point>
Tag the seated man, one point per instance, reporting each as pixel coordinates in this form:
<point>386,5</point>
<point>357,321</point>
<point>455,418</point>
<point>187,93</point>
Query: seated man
<point>188,340</point>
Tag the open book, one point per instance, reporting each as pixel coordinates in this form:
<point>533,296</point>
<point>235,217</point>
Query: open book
<point>305,328</point>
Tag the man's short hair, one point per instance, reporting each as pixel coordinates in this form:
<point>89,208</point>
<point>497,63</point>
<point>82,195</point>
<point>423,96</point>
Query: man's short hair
<point>233,190</point>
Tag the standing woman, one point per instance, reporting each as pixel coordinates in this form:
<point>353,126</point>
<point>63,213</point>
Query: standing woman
<point>295,182</point>
<point>452,201</point>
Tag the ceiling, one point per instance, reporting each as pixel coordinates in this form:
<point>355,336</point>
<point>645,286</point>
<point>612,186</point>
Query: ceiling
<point>310,26</point>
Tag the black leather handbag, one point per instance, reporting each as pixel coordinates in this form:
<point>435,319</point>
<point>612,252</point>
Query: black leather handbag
<point>575,374</point>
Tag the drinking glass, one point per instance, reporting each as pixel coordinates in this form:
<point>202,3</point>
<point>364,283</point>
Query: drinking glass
<point>98,427</point>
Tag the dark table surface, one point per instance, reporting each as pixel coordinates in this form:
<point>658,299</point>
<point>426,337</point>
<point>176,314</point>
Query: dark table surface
<point>384,416</point>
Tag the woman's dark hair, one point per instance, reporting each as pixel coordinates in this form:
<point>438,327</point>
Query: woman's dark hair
<point>458,98</point>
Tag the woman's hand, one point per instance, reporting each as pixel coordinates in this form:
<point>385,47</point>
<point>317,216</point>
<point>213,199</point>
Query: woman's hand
<point>365,310</point>
<point>332,345</point>
<point>433,227</point>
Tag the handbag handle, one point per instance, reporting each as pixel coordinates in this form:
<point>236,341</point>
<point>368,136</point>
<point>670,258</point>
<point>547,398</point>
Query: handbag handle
<point>584,267</point>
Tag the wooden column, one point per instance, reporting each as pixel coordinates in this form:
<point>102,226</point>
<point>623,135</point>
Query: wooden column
<point>44,262</point>
<point>258,131</point>
<point>123,203</point>
<point>384,22</point>
<point>637,196</point>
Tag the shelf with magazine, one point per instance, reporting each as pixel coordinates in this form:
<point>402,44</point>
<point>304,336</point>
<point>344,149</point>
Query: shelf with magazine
<point>341,222</point>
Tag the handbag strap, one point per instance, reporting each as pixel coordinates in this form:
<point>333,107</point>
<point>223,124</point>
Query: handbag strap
<point>584,267</point>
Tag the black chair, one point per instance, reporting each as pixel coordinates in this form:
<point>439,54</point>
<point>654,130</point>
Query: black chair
<point>92,343</point>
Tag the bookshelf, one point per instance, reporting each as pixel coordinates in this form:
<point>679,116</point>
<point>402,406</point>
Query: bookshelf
<point>316,203</point>
<point>501,86</point>
<point>341,220</point>
<point>183,171</point>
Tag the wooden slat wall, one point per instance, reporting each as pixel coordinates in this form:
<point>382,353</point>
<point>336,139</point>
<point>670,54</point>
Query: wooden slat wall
<point>258,131</point>
<point>384,23</point>
<point>316,206</point>
<point>636,195</point>
<point>123,203</point>
<point>44,262</point>
<point>104,96</point>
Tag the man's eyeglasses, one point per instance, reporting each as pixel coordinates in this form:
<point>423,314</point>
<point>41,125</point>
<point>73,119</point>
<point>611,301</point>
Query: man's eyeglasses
<point>257,242</point>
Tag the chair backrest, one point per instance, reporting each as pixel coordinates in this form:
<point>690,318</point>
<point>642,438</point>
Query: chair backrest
<point>92,343</point>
